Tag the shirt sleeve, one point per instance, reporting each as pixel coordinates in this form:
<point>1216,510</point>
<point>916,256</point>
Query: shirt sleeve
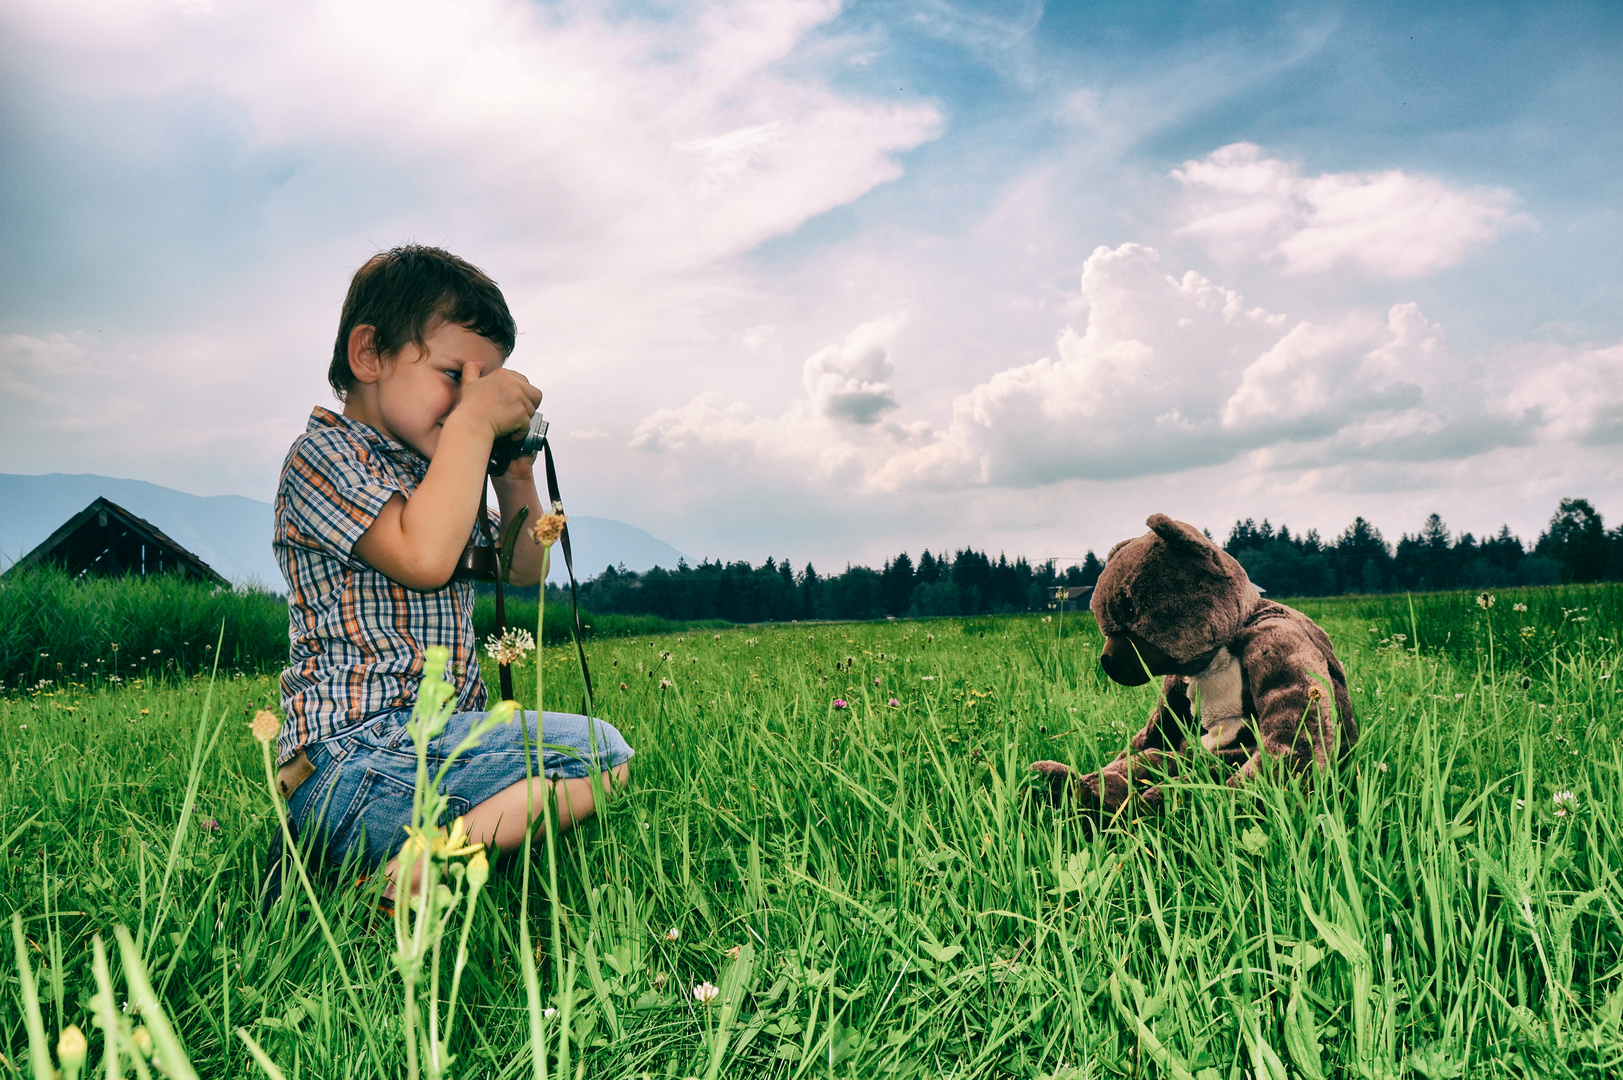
<point>334,490</point>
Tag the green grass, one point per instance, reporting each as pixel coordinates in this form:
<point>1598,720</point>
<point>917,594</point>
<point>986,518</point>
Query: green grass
<point>560,627</point>
<point>912,908</point>
<point>55,628</point>
<point>101,631</point>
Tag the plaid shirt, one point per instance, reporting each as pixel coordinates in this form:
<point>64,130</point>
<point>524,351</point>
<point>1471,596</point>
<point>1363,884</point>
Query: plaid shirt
<point>356,637</point>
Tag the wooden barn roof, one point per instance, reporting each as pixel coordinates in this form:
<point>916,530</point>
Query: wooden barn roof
<point>106,539</point>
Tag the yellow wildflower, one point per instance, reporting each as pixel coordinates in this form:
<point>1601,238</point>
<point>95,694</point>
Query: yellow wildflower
<point>71,1049</point>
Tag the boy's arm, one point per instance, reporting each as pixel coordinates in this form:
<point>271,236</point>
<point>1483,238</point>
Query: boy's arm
<point>515,488</point>
<point>418,541</point>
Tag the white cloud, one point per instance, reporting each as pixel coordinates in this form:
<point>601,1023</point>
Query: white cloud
<point>1576,393</point>
<point>1169,374</point>
<point>846,382</point>
<point>181,409</point>
<point>1246,207</point>
<point>609,168</point>
<point>829,436</point>
<point>596,142</point>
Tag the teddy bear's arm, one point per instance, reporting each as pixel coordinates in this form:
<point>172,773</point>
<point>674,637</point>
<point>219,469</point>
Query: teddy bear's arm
<point>1165,727</point>
<point>1287,675</point>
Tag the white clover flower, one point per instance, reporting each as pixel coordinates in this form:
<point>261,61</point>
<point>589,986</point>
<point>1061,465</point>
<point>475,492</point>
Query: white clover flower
<point>549,1013</point>
<point>511,647</point>
<point>1484,600</point>
<point>672,934</point>
<point>1518,607</point>
<point>705,993</point>
<point>265,726</point>
<point>665,684</point>
<point>1564,801</point>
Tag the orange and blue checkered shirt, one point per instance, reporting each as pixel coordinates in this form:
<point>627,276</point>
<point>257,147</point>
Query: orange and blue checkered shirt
<point>356,638</point>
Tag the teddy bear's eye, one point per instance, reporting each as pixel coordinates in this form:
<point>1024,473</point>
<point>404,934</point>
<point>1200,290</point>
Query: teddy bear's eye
<point>1126,607</point>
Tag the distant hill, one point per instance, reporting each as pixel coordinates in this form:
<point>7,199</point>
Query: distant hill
<point>232,534</point>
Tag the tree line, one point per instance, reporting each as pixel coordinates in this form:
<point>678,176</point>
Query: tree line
<point>967,582</point>
<point>1576,547</point>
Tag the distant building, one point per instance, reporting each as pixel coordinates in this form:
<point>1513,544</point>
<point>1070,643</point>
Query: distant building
<point>104,539</point>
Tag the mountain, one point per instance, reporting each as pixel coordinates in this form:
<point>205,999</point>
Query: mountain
<point>232,534</point>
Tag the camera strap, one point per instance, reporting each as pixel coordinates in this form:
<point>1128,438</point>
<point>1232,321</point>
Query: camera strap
<point>569,567</point>
<point>504,675</point>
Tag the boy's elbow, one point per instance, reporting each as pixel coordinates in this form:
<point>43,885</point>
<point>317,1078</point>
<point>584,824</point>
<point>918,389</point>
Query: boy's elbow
<point>417,572</point>
<point>427,575</point>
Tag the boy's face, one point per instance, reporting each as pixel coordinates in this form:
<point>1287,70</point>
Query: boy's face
<point>414,393</point>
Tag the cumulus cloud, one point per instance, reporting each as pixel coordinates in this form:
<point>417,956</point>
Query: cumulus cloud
<point>1169,374</point>
<point>1247,207</point>
<point>1575,393</point>
<point>846,381</point>
<point>834,433</point>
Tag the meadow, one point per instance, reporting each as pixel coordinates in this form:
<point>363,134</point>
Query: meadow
<point>878,889</point>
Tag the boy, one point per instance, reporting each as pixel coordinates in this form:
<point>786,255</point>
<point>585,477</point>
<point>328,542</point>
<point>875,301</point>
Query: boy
<point>373,510</point>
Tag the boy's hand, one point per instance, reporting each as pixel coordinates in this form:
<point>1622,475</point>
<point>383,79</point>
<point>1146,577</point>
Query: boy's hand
<point>504,400</point>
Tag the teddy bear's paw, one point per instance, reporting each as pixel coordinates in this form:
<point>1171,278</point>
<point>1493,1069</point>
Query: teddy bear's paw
<point>1058,775</point>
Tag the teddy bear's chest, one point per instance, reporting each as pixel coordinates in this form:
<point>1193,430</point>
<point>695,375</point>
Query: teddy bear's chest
<point>1219,696</point>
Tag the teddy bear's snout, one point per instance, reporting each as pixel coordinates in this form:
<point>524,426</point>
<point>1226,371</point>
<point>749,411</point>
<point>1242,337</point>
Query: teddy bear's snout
<point>1127,662</point>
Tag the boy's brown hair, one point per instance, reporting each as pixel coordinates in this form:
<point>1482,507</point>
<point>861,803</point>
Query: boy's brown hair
<point>404,292</point>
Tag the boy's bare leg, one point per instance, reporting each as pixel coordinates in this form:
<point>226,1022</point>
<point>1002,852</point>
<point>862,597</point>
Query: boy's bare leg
<point>500,822</point>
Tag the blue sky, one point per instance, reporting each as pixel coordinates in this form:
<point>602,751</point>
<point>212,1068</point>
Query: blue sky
<point>828,282</point>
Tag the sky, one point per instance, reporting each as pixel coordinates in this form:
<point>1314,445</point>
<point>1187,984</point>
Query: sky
<point>828,281</point>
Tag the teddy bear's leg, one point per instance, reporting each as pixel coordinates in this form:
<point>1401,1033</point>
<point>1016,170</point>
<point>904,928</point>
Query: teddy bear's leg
<point>1110,788</point>
<point>1117,783</point>
<point>1107,788</point>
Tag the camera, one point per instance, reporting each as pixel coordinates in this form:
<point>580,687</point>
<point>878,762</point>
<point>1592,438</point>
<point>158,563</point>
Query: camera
<point>508,447</point>
<point>483,562</point>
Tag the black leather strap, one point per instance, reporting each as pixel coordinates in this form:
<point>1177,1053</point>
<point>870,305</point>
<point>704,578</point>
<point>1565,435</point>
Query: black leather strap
<point>504,674</point>
<point>569,566</point>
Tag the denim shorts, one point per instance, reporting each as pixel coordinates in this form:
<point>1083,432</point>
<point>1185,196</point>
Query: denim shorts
<point>357,802</point>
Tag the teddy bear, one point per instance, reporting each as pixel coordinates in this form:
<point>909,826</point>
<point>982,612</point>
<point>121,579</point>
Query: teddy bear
<point>1243,677</point>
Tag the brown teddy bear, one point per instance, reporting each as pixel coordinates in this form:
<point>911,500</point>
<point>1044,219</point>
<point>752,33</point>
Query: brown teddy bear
<point>1244,676</point>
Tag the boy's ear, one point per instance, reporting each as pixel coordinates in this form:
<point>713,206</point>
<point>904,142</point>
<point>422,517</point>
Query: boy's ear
<point>364,362</point>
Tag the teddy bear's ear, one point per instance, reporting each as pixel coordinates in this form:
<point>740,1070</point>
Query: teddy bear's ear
<point>1176,532</point>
